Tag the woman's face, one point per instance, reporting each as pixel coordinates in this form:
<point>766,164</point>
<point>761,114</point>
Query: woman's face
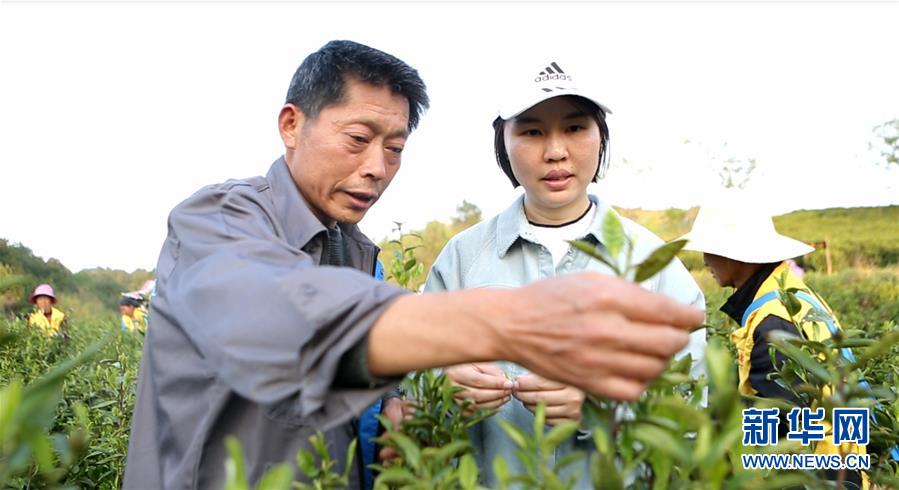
<point>553,149</point>
<point>44,303</point>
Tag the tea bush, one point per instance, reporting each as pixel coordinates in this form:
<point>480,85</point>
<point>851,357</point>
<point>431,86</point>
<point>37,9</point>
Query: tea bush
<point>104,385</point>
<point>82,411</point>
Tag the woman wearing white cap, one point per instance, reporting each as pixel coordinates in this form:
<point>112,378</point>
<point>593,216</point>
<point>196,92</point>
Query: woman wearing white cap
<point>552,140</point>
<point>46,317</point>
<point>744,251</point>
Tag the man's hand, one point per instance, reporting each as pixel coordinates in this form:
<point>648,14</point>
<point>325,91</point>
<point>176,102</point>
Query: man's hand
<point>563,402</point>
<point>599,333</point>
<point>397,410</point>
<point>484,384</point>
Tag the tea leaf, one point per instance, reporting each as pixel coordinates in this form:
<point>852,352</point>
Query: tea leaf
<point>661,440</point>
<point>881,347</point>
<point>500,469</point>
<point>559,434</point>
<point>539,421</point>
<point>395,477</point>
<point>568,460</point>
<point>451,450</point>
<point>591,251</point>
<point>350,454</point>
<point>810,364</point>
<point>277,478</point>
<point>235,471</point>
<point>306,462</point>
<point>604,474</point>
<point>612,233</point>
<point>408,449</point>
<point>790,302</point>
<point>468,472</point>
<point>658,260</point>
<point>514,433</point>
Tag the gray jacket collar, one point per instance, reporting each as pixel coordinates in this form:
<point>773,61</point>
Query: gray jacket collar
<point>512,225</point>
<point>298,221</point>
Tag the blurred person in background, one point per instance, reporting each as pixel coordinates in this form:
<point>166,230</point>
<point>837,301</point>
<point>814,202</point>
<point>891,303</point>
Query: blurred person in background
<point>133,317</point>
<point>46,316</point>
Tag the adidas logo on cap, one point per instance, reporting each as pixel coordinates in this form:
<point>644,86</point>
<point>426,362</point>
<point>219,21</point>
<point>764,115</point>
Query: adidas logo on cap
<point>552,72</point>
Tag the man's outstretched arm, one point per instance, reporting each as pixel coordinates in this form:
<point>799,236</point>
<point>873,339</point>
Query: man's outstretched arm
<point>599,333</point>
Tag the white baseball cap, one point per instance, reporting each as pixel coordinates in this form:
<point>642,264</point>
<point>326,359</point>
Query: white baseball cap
<point>541,82</point>
<point>741,231</point>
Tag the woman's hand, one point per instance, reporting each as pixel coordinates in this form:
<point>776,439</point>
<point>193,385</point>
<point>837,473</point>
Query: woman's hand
<point>484,384</point>
<point>563,402</point>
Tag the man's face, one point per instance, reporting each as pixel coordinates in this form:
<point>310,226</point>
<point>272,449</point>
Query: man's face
<point>344,159</point>
<point>721,268</point>
<point>44,303</point>
<point>126,310</point>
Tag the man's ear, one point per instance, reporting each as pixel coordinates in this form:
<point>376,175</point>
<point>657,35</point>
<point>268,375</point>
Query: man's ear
<point>290,122</point>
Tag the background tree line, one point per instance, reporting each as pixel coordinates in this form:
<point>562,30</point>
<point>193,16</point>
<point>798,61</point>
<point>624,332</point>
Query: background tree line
<point>90,293</point>
<point>865,238</point>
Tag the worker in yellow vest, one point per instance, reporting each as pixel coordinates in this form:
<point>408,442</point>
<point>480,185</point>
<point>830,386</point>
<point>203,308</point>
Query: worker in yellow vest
<point>744,251</point>
<point>132,315</point>
<point>46,317</point>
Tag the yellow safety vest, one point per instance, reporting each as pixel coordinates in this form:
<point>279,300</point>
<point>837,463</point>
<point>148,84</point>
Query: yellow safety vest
<point>50,327</point>
<point>136,324</point>
<point>818,331</point>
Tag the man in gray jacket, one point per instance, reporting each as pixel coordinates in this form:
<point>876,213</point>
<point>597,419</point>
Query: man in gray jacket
<point>268,326</point>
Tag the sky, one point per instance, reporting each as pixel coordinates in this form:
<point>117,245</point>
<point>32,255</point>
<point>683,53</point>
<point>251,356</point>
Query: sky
<point>111,114</point>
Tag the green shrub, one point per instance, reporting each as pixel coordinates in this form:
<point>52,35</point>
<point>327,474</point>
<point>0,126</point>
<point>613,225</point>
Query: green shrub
<point>104,385</point>
<point>90,418</point>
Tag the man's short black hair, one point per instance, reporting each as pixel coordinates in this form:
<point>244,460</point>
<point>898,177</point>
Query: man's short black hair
<point>588,107</point>
<point>321,78</point>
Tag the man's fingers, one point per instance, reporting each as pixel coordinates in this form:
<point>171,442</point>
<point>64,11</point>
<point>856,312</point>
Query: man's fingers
<point>595,367</point>
<point>637,337</point>
<point>629,365</point>
<point>615,387</point>
<point>642,305</point>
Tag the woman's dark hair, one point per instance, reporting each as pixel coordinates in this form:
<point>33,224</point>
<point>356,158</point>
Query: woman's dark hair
<point>320,80</point>
<point>585,105</point>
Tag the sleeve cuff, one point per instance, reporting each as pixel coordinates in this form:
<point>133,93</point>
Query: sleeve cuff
<point>352,371</point>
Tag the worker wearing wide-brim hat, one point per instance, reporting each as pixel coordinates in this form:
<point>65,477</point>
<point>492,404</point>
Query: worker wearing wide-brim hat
<point>743,250</point>
<point>47,317</point>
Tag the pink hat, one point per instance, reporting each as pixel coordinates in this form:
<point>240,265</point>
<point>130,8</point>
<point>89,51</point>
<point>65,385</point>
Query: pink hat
<point>43,290</point>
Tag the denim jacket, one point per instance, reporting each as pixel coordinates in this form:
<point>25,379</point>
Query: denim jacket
<point>503,252</point>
